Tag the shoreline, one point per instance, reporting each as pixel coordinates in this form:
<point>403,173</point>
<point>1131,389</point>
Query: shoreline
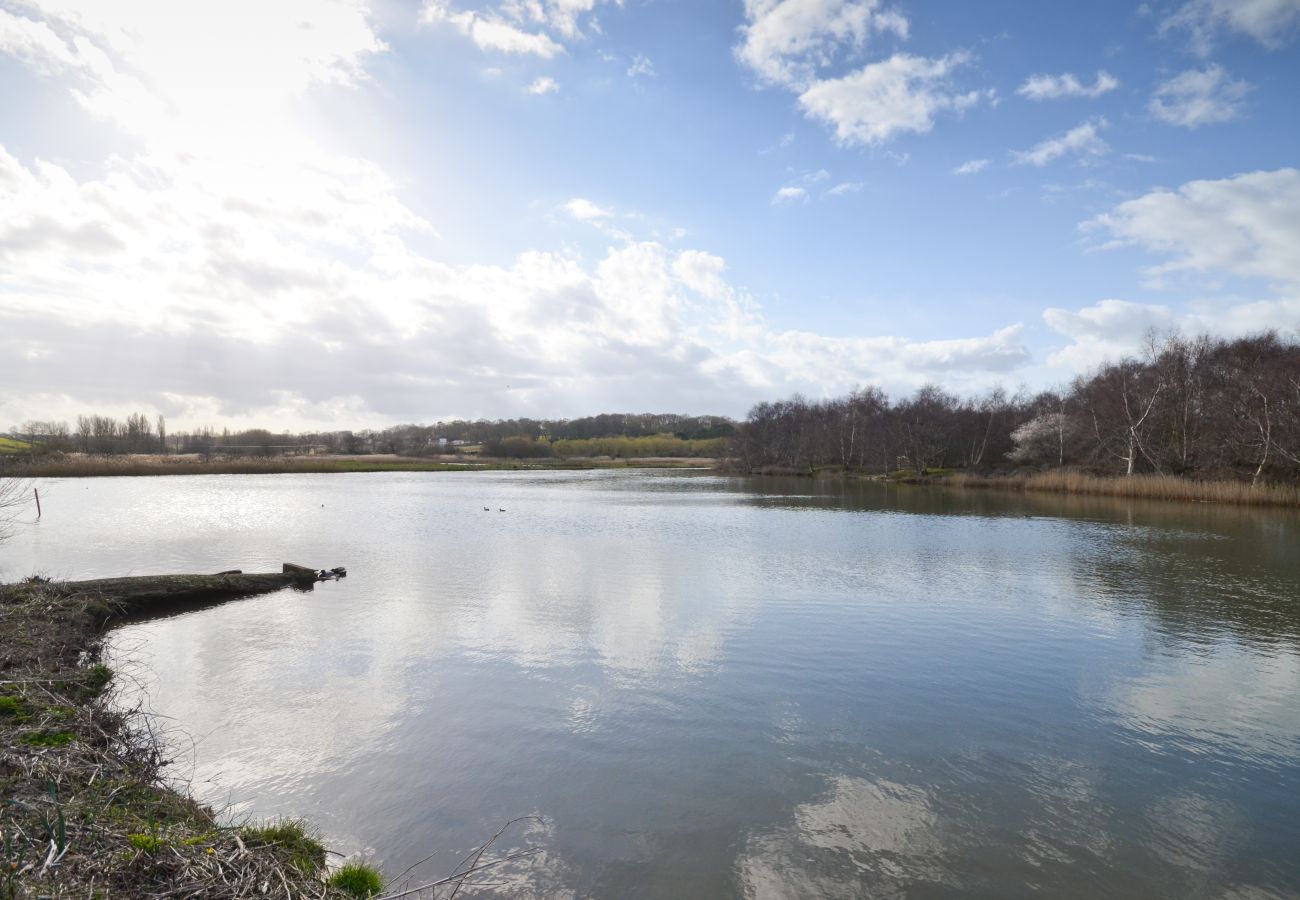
<point>1133,487</point>
<point>87,811</point>
<point>1072,482</point>
<point>1064,481</point>
<point>98,467</point>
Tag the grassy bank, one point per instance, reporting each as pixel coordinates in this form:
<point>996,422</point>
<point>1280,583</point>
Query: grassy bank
<point>1145,487</point>
<point>84,809</point>
<point>78,466</point>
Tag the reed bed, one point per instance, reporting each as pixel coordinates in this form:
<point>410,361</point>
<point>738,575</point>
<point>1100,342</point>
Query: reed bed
<point>1144,487</point>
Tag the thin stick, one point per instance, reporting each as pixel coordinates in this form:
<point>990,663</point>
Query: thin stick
<point>461,876</point>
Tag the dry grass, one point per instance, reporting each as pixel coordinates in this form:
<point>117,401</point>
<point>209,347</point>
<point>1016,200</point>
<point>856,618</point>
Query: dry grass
<point>84,811</point>
<point>1146,487</point>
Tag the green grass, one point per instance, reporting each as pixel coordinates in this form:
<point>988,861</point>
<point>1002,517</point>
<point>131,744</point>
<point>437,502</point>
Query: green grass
<point>293,839</point>
<point>357,879</point>
<point>10,445</point>
<point>149,843</point>
<point>659,445</point>
<point>49,739</point>
<point>93,681</point>
<point>14,708</point>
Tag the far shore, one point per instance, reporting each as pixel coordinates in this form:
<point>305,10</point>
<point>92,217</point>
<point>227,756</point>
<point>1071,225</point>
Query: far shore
<point>1059,481</point>
<point>75,465</point>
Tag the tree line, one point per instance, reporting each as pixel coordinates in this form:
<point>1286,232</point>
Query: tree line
<point>137,433</point>
<point>1203,407</point>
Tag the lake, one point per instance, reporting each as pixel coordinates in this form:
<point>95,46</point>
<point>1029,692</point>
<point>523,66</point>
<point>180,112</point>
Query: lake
<point>711,687</point>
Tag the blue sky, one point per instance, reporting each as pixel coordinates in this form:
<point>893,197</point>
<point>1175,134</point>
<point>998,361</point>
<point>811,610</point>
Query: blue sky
<point>330,214</point>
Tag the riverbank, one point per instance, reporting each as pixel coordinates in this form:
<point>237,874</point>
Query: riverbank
<point>1144,487</point>
<point>84,808</point>
<point>79,466</point>
<point>1070,481</point>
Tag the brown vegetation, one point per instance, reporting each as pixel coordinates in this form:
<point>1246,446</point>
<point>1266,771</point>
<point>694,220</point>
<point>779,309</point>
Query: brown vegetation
<point>1147,487</point>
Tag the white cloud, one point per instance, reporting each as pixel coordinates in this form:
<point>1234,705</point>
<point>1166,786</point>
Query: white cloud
<point>1270,22</point>
<point>122,64</point>
<point>491,32</point>
<point>255,276</point>
<point>584,210</point>
<point>543,84</point>
<point>641,67</point>
<point>1247,225</point>
<point>845,187</point>
<point>242,293</point>
<point>703,273</point>
<point>882,100</point>
<point>787,42</point>
<point>789,194</point>
<point>970,167</point>
<point>793,43</point>
<point>524,27</point>
<point>36,44</point>
<point>562,16</point>
<point>1112,329</point>
<point>1199,97</point>
<point>1243,226</point>
<point>1082,141</point>
<point>1106,331</point>
<point>1052,87</point>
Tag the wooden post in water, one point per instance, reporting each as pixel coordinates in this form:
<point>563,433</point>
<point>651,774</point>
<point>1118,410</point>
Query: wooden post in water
<point>37,493</point>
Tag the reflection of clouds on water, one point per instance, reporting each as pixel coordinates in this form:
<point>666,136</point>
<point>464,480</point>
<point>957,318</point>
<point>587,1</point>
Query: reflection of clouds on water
<point>669,673</point>
<point>1230,701</point>
<point>329,702</point>
<point>627,607</point>
<point>865,839</point>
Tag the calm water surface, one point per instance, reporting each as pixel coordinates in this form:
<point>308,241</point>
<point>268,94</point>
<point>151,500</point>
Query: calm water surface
<point>712,687</point>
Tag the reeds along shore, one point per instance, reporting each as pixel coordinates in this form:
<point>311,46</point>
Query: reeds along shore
<point>1146,487</point>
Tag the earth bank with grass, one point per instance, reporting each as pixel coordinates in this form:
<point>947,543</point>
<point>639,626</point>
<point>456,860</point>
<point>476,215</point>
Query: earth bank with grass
<point>84,808</point>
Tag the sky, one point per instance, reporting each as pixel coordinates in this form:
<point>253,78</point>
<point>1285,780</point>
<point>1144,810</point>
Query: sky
<point>318,214</point>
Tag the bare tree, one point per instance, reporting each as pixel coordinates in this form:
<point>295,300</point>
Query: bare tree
<point>14,494</point>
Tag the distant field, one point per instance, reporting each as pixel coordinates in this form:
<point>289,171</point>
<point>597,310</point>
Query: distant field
<point>662,446</point>
<point>10,445</point>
